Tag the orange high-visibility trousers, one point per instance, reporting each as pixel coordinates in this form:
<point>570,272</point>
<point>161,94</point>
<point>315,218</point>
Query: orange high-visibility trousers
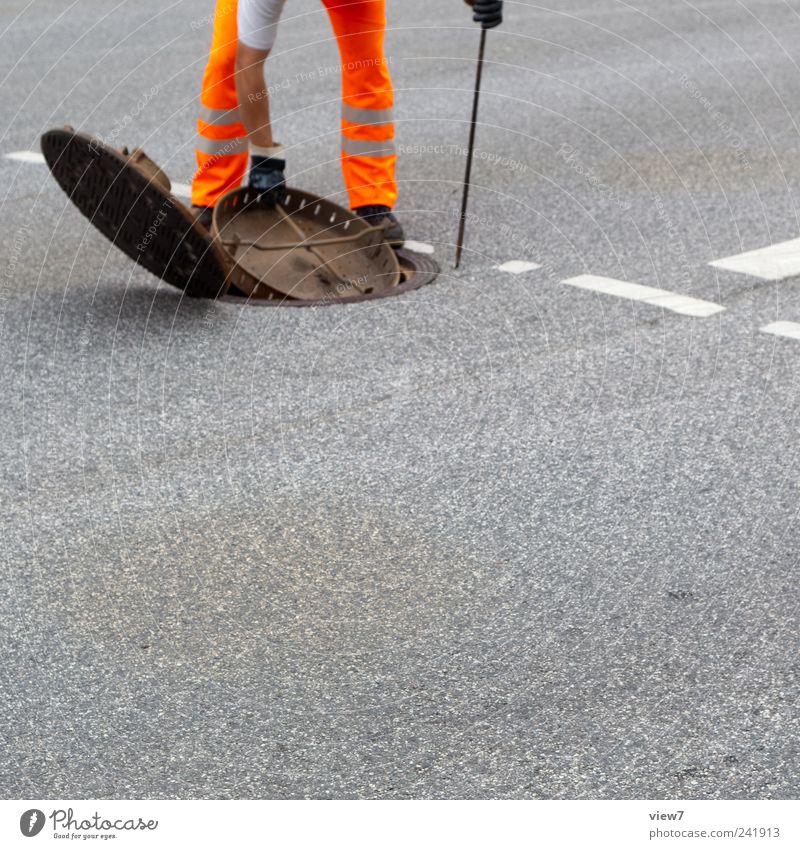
<point>368,154</point>
<point>221,137</point>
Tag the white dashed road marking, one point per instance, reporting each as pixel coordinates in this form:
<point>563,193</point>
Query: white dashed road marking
<point>646,294</point>
<point>26,156</point>
<point>789,329</point>
<point>181,190</point>
<point>419,247</point>
<point>776,262</point>
<point>773,263</point>
<point>518,266</point>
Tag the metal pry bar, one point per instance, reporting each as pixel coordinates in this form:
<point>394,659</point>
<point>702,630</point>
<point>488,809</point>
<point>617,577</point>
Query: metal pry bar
<point>471,148</point>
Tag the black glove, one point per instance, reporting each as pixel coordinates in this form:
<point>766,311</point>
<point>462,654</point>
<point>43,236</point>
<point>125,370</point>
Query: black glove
<point>487,13</point>
<point>267,178</point>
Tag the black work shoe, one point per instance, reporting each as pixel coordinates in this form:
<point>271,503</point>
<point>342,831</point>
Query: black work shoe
<point>377,214</point>
<point>203,215</point>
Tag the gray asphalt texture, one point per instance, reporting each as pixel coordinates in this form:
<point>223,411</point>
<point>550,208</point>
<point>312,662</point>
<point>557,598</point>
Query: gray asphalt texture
<point>495,538</point>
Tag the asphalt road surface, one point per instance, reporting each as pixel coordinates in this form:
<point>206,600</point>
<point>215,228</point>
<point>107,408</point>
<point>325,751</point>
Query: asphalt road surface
<point>499,537</point>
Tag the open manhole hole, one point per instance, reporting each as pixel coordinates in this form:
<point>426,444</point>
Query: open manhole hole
<point>307,251</point>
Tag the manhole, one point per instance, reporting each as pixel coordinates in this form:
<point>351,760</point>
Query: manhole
<point>307,251</point>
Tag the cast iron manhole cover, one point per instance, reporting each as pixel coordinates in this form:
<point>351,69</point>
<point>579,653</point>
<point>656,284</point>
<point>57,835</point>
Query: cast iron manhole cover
<point>127,197</point>
<point>306,251</point>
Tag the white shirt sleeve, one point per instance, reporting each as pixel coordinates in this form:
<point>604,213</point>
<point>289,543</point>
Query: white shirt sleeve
<point>258,22</point>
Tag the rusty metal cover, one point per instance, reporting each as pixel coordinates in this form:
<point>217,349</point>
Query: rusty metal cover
<point>306,248</point>
<point>307,251</point>
<point>127,197</point>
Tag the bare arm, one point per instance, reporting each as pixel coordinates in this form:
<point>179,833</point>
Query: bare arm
<point>251,91</point>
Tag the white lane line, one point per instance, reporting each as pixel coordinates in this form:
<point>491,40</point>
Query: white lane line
<point>646,294</point>
<point>789,329</point>
<point>419,247</point>
<point>26,156</point>
<point>518,266</point>
<point>181,190</point>
<point>776,262</point>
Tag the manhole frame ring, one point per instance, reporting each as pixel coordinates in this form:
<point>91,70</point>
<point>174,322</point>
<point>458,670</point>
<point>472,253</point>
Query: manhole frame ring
<point>424,270</point>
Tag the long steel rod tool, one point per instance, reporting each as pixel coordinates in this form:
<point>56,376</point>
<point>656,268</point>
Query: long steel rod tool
<point>471,148</point>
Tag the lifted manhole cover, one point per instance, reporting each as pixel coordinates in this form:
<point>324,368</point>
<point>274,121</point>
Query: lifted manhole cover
<point>127,197</point>
<point>306,251</point>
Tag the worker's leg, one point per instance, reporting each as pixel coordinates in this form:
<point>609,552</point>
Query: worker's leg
<point>222,140</point>
<point>368,152</point>
<point>267,163</point>
<point>258,25</point>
